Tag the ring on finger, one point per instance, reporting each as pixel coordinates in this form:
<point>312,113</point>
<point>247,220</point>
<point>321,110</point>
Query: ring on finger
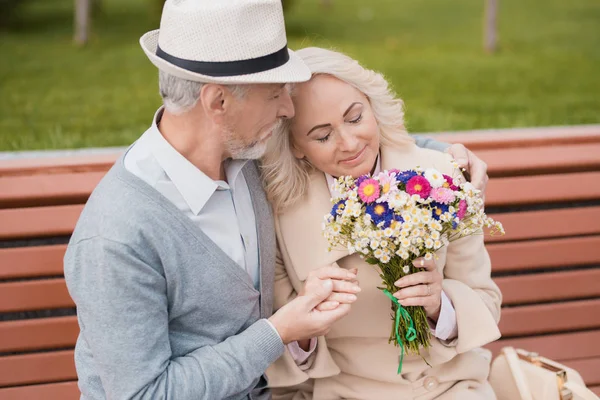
<point>422,263</point>
<point>428,290</point>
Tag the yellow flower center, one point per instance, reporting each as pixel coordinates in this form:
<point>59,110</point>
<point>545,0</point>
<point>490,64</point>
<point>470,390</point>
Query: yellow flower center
<point>369,189</point>
<point>386,188</point>
<point>418,187</point>
<point>446,185</point>
<point>438,211</point>
<point>379,209</point>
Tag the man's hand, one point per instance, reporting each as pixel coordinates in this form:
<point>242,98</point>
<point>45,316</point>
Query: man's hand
<point>476,168</point>
<point>324,299</point>
<point>299,319</point>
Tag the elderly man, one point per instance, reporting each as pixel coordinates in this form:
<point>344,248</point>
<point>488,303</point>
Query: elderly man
<point>171,263</point>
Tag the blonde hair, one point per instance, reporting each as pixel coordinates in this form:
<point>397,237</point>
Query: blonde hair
<point>285,177</point>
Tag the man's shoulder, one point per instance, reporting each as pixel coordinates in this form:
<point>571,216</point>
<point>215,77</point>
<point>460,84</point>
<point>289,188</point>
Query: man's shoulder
<point>117,207</point>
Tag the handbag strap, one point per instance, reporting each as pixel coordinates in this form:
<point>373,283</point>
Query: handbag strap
<point>513,364</point>
<point>580,391</point>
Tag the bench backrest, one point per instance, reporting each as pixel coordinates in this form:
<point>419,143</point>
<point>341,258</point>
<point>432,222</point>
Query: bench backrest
<point>544,188</point>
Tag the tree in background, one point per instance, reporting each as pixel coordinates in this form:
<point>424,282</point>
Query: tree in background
<point>82,21</point>
<point>490,35</point>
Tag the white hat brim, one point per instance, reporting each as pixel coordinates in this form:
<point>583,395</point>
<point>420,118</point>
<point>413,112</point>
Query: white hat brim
<point>292,71</point>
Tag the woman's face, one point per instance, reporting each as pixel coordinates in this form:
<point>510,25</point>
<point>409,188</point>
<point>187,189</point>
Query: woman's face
<point>334,127</point>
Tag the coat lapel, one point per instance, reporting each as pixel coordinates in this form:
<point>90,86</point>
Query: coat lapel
<point>301,225</point>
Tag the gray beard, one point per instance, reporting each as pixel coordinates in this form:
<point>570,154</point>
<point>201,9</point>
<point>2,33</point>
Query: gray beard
<point>252,151</point>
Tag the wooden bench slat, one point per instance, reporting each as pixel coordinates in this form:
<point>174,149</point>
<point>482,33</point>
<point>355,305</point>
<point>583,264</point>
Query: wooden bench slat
<point>549,253</point>
<point>28,262</point>
<point>27,369</point>
<point>541,160</point>
<point>543,189</point>
<point>58,165</point>
<point>40,190</point>
<point>38,334</point>
<point>548,318</point>
<point>20,223</point>
<point>540,224</point>
<point>34,295</point>
<point>522,137</point>
<point>588,368</point>
<point>62,390</point>
<point>565,285</point>
<point>562,346</point>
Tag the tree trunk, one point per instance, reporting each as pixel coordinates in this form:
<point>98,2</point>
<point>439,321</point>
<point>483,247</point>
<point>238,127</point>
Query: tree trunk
<point>82,21</point>
<point>491,26</point>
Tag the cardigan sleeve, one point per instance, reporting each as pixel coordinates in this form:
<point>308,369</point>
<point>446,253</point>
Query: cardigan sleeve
<point>123,315</point>
<point>429,143</point>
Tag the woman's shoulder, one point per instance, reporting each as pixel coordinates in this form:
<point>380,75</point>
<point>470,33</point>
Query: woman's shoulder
<point>439,160</point>
<point>412,156</point>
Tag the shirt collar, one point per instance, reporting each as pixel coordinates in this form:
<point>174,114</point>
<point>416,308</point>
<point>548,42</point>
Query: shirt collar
<point>195,186</point>
<point>331,180</point>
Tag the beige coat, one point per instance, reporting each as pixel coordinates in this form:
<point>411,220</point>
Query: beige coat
<point>355,361</point>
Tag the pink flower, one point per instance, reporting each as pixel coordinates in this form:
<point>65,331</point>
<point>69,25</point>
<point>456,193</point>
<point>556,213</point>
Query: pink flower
<point>449,183</point>
<point>368,190</point>
<point>462,209</point>
<point>443,195</point>
<point>418,185</point>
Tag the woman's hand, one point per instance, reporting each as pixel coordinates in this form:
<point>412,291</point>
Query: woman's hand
<point>422,288</point>
<point>345,286</point>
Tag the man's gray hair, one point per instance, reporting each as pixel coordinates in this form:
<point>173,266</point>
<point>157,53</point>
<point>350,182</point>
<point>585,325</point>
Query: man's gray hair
<point>180,95</point>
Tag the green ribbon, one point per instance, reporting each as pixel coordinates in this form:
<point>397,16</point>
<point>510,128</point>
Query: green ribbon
<point>411,333</point>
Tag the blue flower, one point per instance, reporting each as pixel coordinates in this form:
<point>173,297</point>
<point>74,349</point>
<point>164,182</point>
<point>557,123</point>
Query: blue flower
<point>404,176</point>
<point>340,205</point>
<point>380,212</point>
<point>437,209</point>
<point>361,178</point>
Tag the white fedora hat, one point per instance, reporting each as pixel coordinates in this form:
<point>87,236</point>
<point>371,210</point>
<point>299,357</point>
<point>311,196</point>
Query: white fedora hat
<point>224,41</point>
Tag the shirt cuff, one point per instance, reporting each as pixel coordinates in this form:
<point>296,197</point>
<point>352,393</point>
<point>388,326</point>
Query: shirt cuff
<point>446,327</point>
<point>298,354</point>
<point>273,327</point>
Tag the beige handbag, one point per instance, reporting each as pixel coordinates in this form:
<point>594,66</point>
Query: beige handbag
<point>520,375</point>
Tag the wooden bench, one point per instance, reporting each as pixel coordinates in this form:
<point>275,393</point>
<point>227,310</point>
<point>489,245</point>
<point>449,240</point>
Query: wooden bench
<point>545,188</point>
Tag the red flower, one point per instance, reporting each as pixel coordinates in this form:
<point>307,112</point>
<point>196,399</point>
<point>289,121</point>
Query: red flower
<point>449,183</point>
<point>418,185</point>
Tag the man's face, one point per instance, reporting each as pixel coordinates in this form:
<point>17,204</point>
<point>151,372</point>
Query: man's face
<point>254,117</point>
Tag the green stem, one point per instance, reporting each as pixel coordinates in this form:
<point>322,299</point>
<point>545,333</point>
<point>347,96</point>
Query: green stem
<point>390,273</point>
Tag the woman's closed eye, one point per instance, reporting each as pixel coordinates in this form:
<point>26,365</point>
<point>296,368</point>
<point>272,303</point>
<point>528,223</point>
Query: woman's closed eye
<point>324,138</point>
<point>356,120</point>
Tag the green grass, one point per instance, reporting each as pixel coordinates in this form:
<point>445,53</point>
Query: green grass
<point>546,72</point>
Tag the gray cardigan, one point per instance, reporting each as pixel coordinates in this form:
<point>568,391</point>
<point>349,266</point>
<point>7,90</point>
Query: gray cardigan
<point>163,312</point>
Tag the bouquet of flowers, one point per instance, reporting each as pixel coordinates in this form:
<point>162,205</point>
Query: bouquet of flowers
<point>395,217</point>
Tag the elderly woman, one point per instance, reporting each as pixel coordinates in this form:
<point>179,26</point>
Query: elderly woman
<point>348,122</point>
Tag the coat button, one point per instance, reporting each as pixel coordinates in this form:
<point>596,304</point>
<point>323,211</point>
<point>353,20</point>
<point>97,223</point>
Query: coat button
<point>430,383</point>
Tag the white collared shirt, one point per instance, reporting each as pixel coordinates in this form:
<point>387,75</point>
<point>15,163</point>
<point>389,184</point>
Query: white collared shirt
<point>446,327</point>
<point>214,206</point>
